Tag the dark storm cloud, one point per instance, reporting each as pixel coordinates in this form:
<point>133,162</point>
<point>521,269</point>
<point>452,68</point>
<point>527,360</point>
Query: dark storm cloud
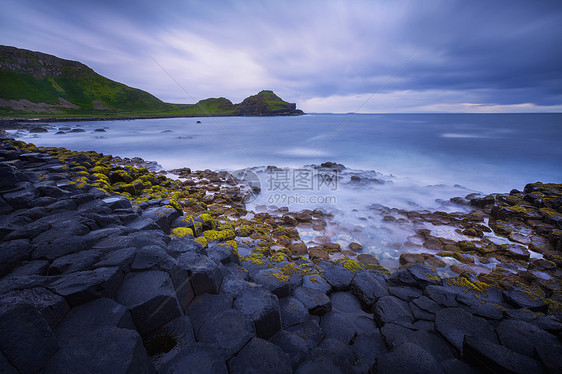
<point>431,55</point>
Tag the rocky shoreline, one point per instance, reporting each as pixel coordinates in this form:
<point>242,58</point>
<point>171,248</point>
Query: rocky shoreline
<point>108,267</point>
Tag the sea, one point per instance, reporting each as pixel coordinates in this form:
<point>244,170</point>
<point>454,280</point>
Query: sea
<point>352,166</point>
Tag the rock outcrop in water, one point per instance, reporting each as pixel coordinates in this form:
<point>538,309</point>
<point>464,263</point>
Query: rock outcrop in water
<point>95,281</point>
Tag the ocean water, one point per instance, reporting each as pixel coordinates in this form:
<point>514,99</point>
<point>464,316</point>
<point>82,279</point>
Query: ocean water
<point>404,161</point>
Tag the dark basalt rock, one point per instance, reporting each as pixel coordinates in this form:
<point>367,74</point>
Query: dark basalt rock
<point>292,312</point>
<point>151,298</point>
<point>204,306</point>
<point>104,350</point>
<point>52,306</point>
<point>497,358</point>
<point>523,337</point>
<point>198,358</point>
<point>407,358</point>
<point>204,273</point>
<point>263,309</point>
<point>392,309</point>
<point>335,325</point>
<point>310,332</point>
<point>83,286</point>
<point>293,345</point>
<point>227,331</point>
<point>27,340</point>
<point>167,342</point>
<point>260,356</point>
<point>273,280</point>
<point>93,315</point>
<point>367,347</point>
<point>314,300</point>
<point>455,323</point>
<point>368,287</point>
<point>13,253</point>
<point>336,275</point>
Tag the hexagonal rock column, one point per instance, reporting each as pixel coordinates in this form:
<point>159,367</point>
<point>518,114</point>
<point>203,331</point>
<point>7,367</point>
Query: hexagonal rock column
<point>151,298</point>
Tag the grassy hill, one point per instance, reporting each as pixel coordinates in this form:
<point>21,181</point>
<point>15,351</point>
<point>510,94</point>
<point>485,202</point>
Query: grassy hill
<point>34,84</point>
<point>65,87</point>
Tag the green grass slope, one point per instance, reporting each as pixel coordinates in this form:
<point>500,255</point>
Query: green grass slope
<point>42,78</point>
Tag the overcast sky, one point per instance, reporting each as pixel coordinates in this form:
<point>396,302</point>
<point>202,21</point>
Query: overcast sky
<point>327,56</point>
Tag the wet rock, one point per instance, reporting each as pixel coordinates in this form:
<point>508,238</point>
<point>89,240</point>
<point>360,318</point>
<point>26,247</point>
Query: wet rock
<point>104,350</point>
<point>391,309</point>
<point>497,358</point>
<point>354,246</point>
<point>340,352</point>
<point>235,282</point>
<point>481,308</point>
<point>314,300</point>
<point>335,325</point>
<point>456,323</point>
<point>318,254</point>
<point>27,340</point>
<point>411,258</point>
<point>407,358</point>
<point>263,309</point>
<point>84,286</point>
<point>433,243</point>
<point>292,312</point>
<point>227,331</point>
<point>368,287</point>
<point>223,253</point>
<point>523,337</point>
<point>123,258</point>
<point>260,356</point>
<point>151,298</point>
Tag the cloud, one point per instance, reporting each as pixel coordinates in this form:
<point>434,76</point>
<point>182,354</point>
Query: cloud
<point>465,56</point>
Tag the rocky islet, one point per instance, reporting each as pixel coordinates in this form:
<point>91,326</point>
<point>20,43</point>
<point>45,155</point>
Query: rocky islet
<point>109,267</point>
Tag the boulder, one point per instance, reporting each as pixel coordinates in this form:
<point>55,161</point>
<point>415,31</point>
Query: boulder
<point>367,347</point>
<point>162,216</point>
<point>263,309</point>
<point>105,350</point>
<point>13,253</point>
<point>260,356</point>
<point>336,275</point>
<point>204,306</point>
<point>74,262</point>
<point>310,332</point>
<point>151,298</point>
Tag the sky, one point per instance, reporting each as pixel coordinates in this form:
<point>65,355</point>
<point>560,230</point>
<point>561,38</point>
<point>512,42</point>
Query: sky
<point>377,56</point>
